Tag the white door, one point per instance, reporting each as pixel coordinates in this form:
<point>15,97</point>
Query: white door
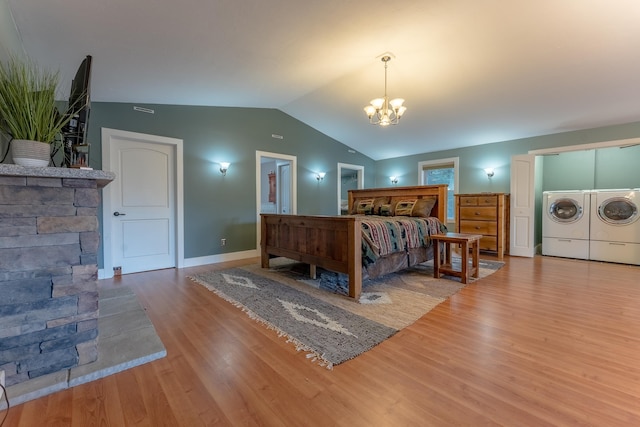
<point>522,205</point>
<point>142,203</point>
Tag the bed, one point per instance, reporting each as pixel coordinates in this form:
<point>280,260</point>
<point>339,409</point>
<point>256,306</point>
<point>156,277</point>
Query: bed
<point>343,243</point>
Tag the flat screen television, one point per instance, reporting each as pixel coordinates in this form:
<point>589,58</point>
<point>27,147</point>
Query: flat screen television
<point>76,146</point>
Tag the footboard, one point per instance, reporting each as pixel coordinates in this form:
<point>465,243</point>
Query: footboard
<point>330,242</point>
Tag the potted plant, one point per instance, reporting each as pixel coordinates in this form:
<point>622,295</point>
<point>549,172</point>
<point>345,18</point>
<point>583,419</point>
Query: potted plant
<point>28,112</point>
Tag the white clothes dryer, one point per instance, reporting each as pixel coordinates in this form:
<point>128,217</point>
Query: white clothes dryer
<point>565,223</point>
<point>615,226</point>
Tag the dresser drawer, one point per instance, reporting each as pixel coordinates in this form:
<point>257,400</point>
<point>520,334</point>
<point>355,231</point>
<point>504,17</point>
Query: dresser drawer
<point>478,201</point>
<point>478,213</point>
<point>489,243</point>
<point>478,227</point>
<point>487,201</point>
<point>468,200</point>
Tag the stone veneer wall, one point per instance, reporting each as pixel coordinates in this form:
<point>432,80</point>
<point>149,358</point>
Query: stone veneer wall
<point>49,242</point>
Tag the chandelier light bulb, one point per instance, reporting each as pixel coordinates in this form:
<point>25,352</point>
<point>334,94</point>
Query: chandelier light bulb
<point>377,103</point>
<point>370,110</point>
<point>396,103</point>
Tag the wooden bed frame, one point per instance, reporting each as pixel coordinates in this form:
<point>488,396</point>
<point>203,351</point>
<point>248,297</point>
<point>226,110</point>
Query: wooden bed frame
<point>334,242</point>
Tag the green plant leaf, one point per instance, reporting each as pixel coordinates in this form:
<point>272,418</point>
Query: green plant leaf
<point>27,102</point>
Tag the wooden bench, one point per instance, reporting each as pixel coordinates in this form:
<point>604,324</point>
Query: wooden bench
<point>466,242</point>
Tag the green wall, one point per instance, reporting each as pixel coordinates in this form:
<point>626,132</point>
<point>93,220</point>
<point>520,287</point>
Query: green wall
<point>617,168</point>
<point>217,206</point>
<point>612,167</point>
<point>498,155</point>
<point>574,170</point>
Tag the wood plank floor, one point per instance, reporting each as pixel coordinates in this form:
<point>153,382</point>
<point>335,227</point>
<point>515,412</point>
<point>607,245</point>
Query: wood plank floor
<point>542,342</point>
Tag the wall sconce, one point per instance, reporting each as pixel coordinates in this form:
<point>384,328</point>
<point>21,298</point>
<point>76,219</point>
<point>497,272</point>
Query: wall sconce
<point>490,172</point>
<point>394,179</point>
<point>320,176</point>
<point>223,168</point>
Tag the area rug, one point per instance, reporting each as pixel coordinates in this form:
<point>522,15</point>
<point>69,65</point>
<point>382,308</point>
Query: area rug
<point>318,318</point>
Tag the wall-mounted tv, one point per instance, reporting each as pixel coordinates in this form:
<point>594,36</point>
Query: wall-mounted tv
<point>76,146</point>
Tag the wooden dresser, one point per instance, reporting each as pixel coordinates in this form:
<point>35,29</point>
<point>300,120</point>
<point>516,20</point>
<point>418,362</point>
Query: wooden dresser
<point>486,214</point>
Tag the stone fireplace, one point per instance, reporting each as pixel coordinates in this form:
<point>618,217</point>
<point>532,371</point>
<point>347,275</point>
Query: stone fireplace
<point>49,239</point>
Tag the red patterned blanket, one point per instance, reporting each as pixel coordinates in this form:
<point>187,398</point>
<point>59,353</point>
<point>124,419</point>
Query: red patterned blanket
<point>385,235</point>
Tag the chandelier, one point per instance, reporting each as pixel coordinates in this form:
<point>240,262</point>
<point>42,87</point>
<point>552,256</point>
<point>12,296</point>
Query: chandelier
<point>381,111</point>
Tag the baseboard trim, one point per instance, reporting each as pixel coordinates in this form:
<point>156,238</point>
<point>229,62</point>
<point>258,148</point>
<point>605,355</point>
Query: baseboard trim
<point>213,259</point>
<point>204,260</point>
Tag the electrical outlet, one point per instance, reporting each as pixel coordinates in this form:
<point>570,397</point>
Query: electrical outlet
<point>1,383</point>
<point>223,242</point>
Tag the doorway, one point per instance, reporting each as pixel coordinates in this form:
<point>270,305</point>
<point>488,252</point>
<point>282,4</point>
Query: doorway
<point>276,189</point>
<point>143,207</point>
<point>350,177</point>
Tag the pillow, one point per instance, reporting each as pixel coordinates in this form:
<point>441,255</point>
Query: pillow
<point>354,207</point>
<point>404,207</point>
<point>422,208</point>
<point>386,210</point>
<point>378,202</point>
<point>390,208</point>
<point>364,207</point>
<point>396,199</point>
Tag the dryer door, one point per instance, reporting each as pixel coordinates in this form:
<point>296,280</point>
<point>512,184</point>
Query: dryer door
<point>618,211</point>
<point>565,211</point>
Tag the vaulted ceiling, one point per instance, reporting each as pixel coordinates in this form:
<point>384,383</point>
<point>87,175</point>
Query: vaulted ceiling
<point>471,71</point>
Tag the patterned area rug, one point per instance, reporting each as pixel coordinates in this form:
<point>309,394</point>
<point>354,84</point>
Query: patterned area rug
<point>318,318</point>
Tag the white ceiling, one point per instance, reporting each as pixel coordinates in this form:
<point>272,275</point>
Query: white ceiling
<point>471,71</point>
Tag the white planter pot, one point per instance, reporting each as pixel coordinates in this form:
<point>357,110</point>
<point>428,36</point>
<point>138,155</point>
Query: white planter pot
<point>30,153</point>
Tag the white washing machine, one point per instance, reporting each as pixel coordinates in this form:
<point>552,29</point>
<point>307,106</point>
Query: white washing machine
<point>565,223</point>
<point>615,226</point>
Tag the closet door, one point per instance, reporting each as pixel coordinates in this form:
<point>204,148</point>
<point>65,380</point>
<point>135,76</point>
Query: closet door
<point>522,205</point>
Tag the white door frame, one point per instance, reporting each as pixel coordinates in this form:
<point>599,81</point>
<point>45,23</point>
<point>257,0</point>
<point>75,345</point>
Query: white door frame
<point>294,186</point>
<point>107,162</point>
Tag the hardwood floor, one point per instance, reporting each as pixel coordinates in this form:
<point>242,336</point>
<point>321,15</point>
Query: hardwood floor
<point>542,342</point>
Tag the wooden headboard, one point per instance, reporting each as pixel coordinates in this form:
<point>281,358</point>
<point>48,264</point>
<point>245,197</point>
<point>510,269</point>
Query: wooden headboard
<point>416,192</point>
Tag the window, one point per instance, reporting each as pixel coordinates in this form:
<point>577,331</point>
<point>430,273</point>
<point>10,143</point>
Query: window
<point>443,171</point>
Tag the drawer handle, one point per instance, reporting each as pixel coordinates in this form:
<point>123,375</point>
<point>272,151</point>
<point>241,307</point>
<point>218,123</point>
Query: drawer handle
<point>477,213</point>
<point>477,228</point>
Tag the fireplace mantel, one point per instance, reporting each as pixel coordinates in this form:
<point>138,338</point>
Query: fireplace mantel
<point>102,178</point>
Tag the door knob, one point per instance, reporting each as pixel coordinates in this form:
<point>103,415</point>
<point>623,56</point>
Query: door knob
<point>118,214</point>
